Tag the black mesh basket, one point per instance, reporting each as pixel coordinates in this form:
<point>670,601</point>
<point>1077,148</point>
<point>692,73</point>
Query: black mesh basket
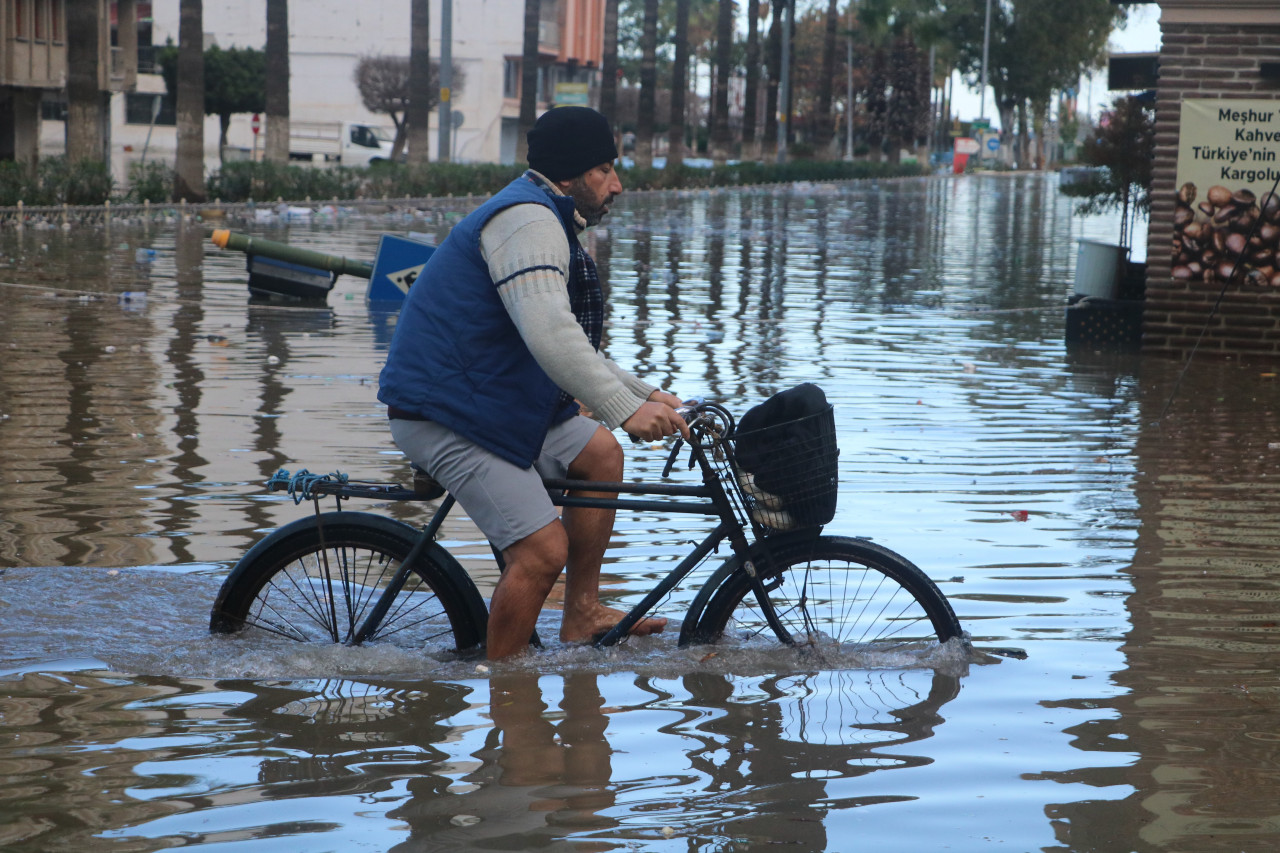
<point>786,474</point>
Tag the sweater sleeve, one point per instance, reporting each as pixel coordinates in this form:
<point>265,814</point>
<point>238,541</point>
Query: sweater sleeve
<point>528,257</point>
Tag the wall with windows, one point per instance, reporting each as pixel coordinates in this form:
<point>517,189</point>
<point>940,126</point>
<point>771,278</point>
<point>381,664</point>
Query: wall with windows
<point>327,38</point>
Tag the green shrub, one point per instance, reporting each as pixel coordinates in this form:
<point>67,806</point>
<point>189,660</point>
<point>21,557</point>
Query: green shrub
<point>17,184</point>
<point>151,182</point>
<point>84,182</point>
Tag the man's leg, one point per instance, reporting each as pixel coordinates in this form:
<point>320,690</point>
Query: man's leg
<point>588,532</point>
<point>511,506</point>
<point>532,566</point>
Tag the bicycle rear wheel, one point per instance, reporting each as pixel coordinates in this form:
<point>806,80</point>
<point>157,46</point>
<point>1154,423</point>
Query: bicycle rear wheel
<point>316,580</point>
<point>828,591</point>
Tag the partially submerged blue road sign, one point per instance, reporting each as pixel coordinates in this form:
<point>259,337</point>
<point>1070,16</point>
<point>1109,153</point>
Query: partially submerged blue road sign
<point>398,264</point>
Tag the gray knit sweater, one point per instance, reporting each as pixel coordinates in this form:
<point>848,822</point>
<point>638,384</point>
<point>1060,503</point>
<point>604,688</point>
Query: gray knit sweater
<point>528,236</point>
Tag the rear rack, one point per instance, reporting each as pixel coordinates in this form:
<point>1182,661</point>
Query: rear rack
<point>305,486</point>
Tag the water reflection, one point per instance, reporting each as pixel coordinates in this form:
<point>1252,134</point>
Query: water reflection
<point>1128,550</point>
<point>544,762</point>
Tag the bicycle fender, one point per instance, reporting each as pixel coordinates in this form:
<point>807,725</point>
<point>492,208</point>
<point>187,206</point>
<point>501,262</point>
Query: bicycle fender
<point>305,526</point>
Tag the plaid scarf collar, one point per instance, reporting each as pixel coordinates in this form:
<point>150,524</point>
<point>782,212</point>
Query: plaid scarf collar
<point>540,181</point>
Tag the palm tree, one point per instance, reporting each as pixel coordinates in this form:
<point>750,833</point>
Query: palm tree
<point>825,131</point>
<point>418,110</point>
<point>188,180</point>
<point>648,85</point>
<point>749,148</point>
<point>773,62</point>
<point>528,78</point>
<point>85,137</point>
<point>720,141</point>
<point>277,88</point>
<point>679,86</point>
<point>609,65</point>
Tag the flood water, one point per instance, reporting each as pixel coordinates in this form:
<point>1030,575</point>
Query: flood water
<point>1081,505</point>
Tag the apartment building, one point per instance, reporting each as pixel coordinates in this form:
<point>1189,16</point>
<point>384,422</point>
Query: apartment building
<point>34,66</point>
<point>327,38</point>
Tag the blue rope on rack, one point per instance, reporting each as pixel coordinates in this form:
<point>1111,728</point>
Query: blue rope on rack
<point>301,485</point>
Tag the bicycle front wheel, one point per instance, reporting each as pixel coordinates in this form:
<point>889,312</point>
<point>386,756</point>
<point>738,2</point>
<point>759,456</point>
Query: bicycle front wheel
<point>317,579</point>
<point>827,591</point>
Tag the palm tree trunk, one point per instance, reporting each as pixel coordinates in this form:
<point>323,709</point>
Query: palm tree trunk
<point>418,111</point>
<point>277,95</point>
<point>769,146</point>
<point>825,131</point>
<point>528,78</point>
<point>188,181</point>
<point>721,144</point>
<point>86,139</point>
<point>679,86</point>
<point>648,85</point>
<point>609,67</point>
<point>750,151</point>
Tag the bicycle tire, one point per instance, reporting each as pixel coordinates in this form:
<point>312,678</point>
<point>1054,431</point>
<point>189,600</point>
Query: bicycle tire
<point>828,591</point>
<point>314,580</point>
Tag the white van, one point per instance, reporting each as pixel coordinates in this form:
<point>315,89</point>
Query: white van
<point>340,143</point>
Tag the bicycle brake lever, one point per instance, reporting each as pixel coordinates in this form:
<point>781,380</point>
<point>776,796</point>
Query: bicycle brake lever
<point>671,460</point>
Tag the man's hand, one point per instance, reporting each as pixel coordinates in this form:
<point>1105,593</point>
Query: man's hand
<point>663,397</point>
<point>656,419</point>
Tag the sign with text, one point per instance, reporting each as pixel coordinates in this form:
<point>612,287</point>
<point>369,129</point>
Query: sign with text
<point>1227,218</point>
<point>1233,143</point>
<point>572,94</point>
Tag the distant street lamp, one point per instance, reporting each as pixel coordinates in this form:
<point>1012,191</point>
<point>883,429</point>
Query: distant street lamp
<point>986,48</point>
<point>446,81</point>
<point>784,85</point>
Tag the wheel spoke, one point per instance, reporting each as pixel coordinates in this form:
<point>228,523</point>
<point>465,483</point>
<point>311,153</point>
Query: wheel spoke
<point>840,593</point>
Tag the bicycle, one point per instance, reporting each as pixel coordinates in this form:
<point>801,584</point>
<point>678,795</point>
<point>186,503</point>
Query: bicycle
<point>350,577</point>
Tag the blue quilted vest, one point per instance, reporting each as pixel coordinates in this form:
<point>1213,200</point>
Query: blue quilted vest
<point>456,357</point>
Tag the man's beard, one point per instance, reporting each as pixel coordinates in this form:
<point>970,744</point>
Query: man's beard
<point>584,202</point>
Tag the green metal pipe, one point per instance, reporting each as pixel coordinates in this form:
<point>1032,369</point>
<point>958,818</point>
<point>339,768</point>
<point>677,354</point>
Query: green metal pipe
<point>224,239</point>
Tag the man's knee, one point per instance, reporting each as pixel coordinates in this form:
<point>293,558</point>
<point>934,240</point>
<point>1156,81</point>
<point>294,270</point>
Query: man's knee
<point>601,460</point>
<point>540,555</point>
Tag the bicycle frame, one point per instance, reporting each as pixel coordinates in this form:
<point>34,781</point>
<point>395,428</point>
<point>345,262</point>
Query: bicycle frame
<point>709,499</point>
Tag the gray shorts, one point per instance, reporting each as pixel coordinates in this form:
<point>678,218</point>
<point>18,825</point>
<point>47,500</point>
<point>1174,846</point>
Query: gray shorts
<point>505,501</point>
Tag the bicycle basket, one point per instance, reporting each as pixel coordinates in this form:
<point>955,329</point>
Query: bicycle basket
<point>787,473</point>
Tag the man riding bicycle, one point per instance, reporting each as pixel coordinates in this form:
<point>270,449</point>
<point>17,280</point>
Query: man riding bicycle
<point>495,354</point>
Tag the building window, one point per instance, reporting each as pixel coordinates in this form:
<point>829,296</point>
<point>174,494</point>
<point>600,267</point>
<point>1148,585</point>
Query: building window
<point>38,18</point>
<point>21,18</point>
<point>55,20</point>
<point>511,78</point>
<point>139,106</point>
<point>53,108</point>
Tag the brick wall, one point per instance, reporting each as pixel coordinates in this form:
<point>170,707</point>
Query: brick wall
<point>1204,61</point>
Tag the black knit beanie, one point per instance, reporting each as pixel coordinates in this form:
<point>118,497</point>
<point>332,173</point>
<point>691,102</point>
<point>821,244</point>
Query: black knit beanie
<point>568,141</point>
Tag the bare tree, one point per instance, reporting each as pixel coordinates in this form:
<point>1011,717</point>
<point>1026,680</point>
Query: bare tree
<point>679,86</point>
<point>528,79</point>
<point>385,88</point>
<point>188,181</point>
<point>86,136</point>
<point>276,149</point>
<point>418,109</point>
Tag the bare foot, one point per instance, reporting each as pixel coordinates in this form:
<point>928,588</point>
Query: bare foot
<point>585,627</point>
